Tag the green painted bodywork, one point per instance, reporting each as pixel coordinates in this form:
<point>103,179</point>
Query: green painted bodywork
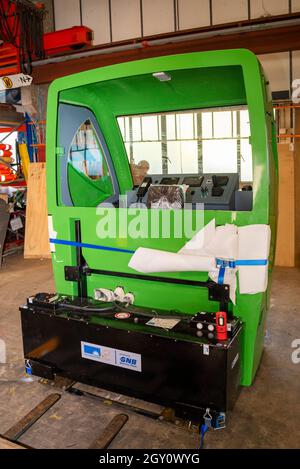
<point>199,80</point>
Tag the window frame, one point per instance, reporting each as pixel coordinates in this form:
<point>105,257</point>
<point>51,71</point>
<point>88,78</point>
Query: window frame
<point>199,139</point>
<point>70,119</point>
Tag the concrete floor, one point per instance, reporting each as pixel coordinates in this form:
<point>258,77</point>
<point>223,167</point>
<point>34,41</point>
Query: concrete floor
<point>266,415</point>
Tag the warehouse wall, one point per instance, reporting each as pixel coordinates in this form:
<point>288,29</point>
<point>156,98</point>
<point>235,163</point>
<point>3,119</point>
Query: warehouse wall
<point>116,20</point>
<point>132,18</point>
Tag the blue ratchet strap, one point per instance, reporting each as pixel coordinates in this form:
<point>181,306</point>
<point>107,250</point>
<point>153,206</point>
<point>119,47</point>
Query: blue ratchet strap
<point>251,262</point>
<point>223,264</point>
<point>203,430</point>
<point>221,275</point>
<point>65,242</point>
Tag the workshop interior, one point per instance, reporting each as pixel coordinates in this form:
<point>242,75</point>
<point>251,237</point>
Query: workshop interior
<point>149,208</point>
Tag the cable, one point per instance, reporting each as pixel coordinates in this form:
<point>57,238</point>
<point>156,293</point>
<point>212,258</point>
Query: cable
<point>87,309</point>
<point>25,31</point>
<point>111,309</point>
<point>152,313</point>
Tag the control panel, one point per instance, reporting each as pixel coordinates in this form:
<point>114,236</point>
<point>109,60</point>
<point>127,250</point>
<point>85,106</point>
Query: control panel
<point>200,191</point>
<point>216,191</point>
<point>208,191</point>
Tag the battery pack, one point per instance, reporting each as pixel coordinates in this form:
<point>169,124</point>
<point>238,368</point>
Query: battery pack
<point>169,363</point>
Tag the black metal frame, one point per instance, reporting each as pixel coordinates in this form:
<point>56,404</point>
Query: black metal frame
<point>78,273</point>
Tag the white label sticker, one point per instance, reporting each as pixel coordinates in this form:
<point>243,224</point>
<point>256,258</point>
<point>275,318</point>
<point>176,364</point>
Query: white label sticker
<point>16,223</point>
<point>205,349</point>
<point>163,323</point>
<point>129,360</point>
<point>15,81</point>
<point>98,353</point>
<point>111,356</point>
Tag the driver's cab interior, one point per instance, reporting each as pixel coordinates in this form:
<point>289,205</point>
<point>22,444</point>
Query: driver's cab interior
<point>182,156</point>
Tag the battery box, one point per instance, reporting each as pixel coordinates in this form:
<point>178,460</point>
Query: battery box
<point>134,351</point>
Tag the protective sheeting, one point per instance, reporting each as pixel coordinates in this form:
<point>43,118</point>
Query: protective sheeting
<point>216,242</point>
<point>52,233</point>
<point>226,243</point>
<point>152,260</point>
<point>254,243</point>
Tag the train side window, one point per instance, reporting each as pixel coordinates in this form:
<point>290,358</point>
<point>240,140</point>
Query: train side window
<point>89,179</point>
<point>85,171</point>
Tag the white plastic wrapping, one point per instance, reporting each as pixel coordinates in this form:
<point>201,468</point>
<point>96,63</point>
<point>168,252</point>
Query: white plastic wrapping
<point>254,243</point>
<point>152,260</point>
<point>219,242</point>
<point>51,232</point>
<point>227,242</point>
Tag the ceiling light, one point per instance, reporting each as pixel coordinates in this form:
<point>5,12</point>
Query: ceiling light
<point>162,76</point>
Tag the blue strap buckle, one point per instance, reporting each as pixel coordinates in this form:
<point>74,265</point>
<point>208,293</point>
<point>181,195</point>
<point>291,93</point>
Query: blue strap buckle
<point>231,263</point>
<point>223,263</point>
